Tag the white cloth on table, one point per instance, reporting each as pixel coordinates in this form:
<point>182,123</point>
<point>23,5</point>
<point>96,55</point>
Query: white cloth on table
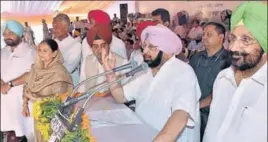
<point>13,65</point>
<point>175,87</point>
<point>238,113</point>
<point>71,51</point>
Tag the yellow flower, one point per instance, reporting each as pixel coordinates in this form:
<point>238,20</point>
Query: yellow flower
<point>37,111</point>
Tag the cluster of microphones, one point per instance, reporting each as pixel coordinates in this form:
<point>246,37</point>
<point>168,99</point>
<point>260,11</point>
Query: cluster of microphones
<point>60,123</point>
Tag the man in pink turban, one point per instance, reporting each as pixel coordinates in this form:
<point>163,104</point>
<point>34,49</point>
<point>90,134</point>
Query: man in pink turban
<point>167,94</point>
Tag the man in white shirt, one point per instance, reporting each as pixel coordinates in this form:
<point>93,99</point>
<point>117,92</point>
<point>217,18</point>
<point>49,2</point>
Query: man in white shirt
<point>78,25</point>
<point>69,47</point>
<point>134,54</point>
<point>167,94</point>
<point>238,112</point>
<point>16,60</point>
<point>196,45</point>
<point>196,30</point>
<point>117,46</point>
<point>28,34</point>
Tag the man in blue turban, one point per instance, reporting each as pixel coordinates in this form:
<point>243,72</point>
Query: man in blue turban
<point>16,60</point>
<point>13,31</point>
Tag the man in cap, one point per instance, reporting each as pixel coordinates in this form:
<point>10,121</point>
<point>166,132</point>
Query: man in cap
<point>69,47</point>
<point>117,45</point>
<point>16,60</point>
<point>167,94</point>
<point>238,112</point>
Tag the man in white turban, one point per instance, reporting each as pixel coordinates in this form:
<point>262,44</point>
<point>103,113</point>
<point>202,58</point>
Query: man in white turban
<point>167,94</point>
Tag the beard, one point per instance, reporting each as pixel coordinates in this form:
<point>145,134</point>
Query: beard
<point>156,62</point>
<point>11,42</point>
<point>244,61</point>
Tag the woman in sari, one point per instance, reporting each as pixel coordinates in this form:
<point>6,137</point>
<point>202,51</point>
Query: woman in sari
<point>47,78</point>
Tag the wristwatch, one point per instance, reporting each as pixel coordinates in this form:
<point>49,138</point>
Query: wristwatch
<point>10,84</point>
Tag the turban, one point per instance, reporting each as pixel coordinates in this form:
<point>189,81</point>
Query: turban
<point>99,31</point>
<point>141,26</point>
<point>162,37</point>
<point>99,16</point>
<point>15,27</point>
<point>253,15</point>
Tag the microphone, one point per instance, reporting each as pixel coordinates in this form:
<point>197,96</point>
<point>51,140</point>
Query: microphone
<point>142,67</point>
<point>60,123</point>
<point>132,65</point>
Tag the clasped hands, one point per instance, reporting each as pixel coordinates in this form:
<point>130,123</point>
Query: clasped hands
<point>4,88</point>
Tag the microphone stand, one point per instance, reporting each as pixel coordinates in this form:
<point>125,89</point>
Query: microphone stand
<point>67,110</point>
<point>60,123</point>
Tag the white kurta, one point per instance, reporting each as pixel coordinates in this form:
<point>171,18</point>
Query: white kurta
<point>175,87</point>
<point>117,46</point>
<point>137,56</point>
<point>238,113</point>
<point>14,65</point>
<point>71,51</point>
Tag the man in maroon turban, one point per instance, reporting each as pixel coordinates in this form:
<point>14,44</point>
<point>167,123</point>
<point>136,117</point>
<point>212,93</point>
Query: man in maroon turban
<point>99,39</point>
<point>99,23</point>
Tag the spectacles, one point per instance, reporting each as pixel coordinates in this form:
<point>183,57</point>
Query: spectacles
<point>246,40</point>
<point>143,46</point>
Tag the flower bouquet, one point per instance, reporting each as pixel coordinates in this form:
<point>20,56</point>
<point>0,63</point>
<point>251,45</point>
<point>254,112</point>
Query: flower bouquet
<point>43,112</point>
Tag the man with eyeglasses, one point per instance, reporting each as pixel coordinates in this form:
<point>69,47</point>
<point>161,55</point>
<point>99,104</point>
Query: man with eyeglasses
<point>207,64</point>
<point>239,107</point>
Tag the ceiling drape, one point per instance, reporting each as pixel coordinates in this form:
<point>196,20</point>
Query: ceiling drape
<point>34,11</point>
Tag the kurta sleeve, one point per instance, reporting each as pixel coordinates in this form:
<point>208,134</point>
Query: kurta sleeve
<point>187,96</point>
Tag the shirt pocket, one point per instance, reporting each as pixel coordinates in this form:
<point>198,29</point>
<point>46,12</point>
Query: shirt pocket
<point>252,124</point>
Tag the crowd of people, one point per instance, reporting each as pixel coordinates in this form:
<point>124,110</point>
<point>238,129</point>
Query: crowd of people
<point>205,83</point>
